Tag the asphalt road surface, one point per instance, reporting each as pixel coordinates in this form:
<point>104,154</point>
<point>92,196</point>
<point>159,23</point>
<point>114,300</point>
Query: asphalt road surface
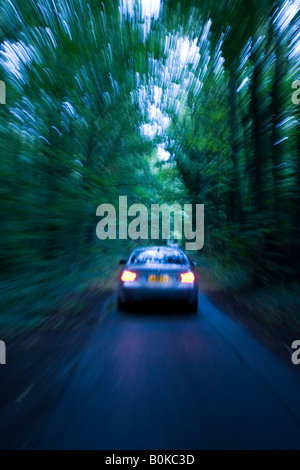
<point>169,381</point>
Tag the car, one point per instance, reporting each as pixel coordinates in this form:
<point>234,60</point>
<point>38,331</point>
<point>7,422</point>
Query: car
<point>158,274</point>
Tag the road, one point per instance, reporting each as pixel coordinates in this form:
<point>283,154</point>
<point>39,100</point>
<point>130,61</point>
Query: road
<point>157,381</point>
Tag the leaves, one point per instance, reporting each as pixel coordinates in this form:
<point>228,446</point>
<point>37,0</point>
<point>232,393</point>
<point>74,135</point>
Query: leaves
<point>94,92</point>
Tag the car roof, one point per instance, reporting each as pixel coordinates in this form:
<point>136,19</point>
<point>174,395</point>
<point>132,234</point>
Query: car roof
<point>163,249</point>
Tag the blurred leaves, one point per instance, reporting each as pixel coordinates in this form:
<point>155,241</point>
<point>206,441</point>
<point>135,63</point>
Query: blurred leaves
<point>95,88</point>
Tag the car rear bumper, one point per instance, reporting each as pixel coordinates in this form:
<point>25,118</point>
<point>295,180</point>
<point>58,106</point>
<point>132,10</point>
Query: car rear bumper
<point>135,293</point>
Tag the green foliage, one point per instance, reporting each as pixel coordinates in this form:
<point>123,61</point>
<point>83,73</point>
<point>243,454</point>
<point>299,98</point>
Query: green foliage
<point>81,78</point>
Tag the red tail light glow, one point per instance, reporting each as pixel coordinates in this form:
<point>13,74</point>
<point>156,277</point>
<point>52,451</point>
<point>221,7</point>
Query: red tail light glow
<point>188,278</point>
<point>128,276</point>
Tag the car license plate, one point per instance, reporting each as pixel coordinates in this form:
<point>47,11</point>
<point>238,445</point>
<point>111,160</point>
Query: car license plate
<point>164,279</point>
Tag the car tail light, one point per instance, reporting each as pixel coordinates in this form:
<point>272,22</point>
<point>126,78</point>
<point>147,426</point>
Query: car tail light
<point>188,278</point>
<point>128,276</point>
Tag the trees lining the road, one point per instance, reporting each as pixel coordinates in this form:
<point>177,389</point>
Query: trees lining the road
<point>92,90</point>
<point>258,120</point>
<point>69,140</point>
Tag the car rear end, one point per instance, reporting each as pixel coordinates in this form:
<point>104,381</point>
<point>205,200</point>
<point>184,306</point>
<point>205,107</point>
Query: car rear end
<point>158,274</point>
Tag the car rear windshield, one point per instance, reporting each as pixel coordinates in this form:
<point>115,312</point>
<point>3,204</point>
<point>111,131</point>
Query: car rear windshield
<point>159,257</point>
